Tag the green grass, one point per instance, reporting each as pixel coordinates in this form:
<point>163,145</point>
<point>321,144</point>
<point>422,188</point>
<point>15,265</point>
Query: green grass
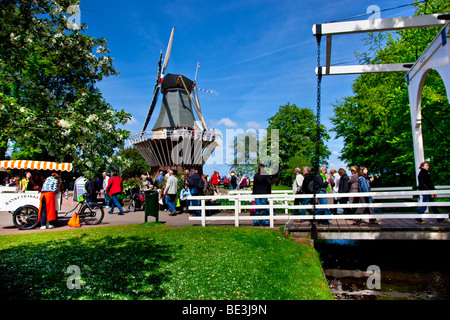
<point>281,188</point>
<point>151,261</point>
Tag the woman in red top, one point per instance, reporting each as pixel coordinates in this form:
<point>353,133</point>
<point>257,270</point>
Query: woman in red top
<point>215,180</point>
<point>114,188</point>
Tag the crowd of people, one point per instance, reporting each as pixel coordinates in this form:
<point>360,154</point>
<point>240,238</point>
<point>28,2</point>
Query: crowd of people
<point>359,182</point>
<point>192,184</point>
<point>181,132</point>
<point>336,181</point>
<point>30,181</point>
<point>170,197</point>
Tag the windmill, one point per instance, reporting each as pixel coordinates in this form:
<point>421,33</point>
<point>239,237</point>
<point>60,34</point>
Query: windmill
<point>177,140</point>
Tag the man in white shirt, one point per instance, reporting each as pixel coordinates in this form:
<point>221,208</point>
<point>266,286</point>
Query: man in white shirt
<point>105,185</point>
<point>171,192</point>
<point>336,177</point>
<point>297,188</point>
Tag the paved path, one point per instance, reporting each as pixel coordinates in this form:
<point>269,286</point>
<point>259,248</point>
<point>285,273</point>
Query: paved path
<point>7,225</point>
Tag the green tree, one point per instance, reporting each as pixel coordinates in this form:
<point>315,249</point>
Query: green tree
<point>297,140</point>
<point>375,122</point>
<point>245,159</point>
<point>50,106</point>
<point>252,148</point>
<point>136,165</point>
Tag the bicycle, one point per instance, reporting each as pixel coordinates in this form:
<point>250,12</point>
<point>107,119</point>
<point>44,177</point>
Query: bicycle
<point>90,212</point>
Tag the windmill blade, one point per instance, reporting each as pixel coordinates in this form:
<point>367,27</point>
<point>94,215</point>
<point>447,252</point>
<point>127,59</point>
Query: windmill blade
<point>159,68</point>
<point>169,47</point>
<point>159,79</point>
<point>152,105</point>
<point>155,94</point>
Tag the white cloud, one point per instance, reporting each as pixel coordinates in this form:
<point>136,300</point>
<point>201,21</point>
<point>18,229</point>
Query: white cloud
<point>227,122</point>
<point>253,124</point>
<point>335,153</point>
<point>132,122</point>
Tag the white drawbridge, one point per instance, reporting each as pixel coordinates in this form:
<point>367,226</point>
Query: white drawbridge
<point>435,57</point>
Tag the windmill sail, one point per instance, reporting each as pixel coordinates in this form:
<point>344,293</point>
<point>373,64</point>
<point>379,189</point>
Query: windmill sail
<point>155,95</point>
<point>159,79</point>
<point>169,48</point>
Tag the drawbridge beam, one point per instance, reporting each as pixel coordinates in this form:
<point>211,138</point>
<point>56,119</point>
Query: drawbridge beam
<point>366,26</point>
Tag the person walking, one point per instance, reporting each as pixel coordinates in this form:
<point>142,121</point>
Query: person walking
<point>364,186</point>
<point>215,181</point>
<point>321,186</point>
<point>425,183</point>
<point>92,189</point>
<point>353,186</point>
<point>195,183</point>
<point>47,209</point>
<point>334,188</point>
<point>233,180</point>
<point>261,185</point>
<point>170,192</point>
<point>343,188</point>
<point>208,190</point>
<point>307,179</point>
<point>297,189</point>
<point>105,185</point>
<point>114,188</point>
<point>159,181</point>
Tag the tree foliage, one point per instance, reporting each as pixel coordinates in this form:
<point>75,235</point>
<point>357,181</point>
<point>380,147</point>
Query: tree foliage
<point>137,164</point>
<point>50,106</point>
<point>375,122</point>
<point>297,140</point>
<point>296,145</point>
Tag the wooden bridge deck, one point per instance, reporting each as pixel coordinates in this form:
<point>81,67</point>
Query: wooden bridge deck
<point>386,229</point>
<point>278,210</point>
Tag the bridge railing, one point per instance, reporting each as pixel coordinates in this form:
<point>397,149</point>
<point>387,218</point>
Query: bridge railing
<point>284,201</point>
<point>380,189</point>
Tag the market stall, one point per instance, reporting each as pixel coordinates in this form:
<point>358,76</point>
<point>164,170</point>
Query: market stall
<point>24,205</point>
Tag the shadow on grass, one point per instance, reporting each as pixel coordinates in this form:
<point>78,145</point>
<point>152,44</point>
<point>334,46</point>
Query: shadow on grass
<point>111,267</point>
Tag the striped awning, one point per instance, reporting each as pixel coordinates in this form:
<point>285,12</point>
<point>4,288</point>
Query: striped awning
<point>35,165</point>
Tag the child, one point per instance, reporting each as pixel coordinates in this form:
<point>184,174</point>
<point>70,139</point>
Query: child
<point>183,198</point>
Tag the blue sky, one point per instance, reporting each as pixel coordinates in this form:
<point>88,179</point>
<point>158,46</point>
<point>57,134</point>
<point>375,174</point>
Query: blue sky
<point>255,55</point>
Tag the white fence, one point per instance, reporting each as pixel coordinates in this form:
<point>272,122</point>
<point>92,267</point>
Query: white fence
<point>382,189</point>
<point>284,199</point>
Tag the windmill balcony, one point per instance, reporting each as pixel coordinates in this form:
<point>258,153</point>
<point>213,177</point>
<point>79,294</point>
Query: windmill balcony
<point>175,134</point>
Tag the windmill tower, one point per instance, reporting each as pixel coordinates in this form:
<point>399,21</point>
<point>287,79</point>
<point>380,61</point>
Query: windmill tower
<point>177,141</point>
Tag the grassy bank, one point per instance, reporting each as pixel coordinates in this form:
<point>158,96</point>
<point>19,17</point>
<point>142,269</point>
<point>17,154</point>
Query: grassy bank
<point>151,261</point>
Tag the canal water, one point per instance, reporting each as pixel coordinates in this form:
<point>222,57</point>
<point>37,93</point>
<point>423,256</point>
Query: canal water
<point>386,269</point>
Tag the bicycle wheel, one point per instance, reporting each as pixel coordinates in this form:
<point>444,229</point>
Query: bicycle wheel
<point>91,213</point>
<point>132,205</point>
<point>26,217</point>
